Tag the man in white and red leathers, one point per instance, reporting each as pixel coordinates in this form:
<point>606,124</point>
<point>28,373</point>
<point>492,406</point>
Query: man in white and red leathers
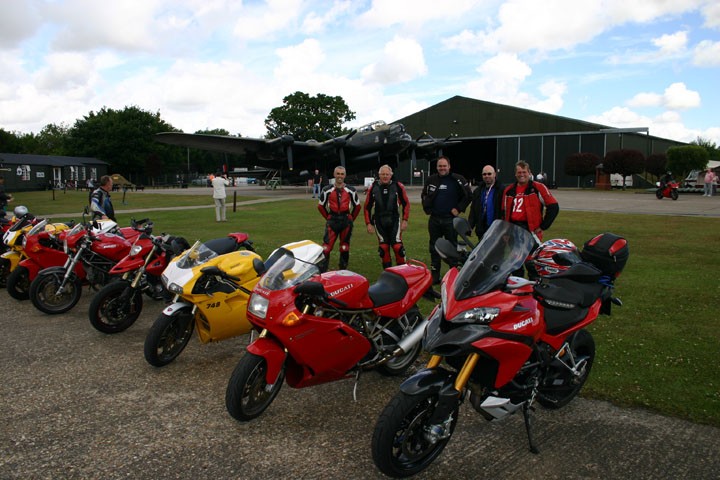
<point>339,205</point>
<point>529,204</point>
<point>387,197</point>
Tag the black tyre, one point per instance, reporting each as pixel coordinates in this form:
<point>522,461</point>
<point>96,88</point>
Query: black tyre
<point>18,283</point>
<point>168,336</point>
<point>44,291</point>
<point>247,395</point>
<point>115,307</point>
<point>398,365</point>
<point>561,385</point>
<point>659,194</point>
<point>674,194</point>
<point>402,443</point>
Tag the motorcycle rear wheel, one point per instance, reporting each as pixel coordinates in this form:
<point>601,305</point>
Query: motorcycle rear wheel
<point>247,395</point>
<point>18,283</point>
<point>43,291</point>
<point>560,385</point>
<point>398,365</point>
<point>168,336</point>
<point>113,310</point>
<point>400,447</point>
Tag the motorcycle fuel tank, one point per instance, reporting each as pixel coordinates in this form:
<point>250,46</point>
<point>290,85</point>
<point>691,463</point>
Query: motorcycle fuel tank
<point>348,287</point>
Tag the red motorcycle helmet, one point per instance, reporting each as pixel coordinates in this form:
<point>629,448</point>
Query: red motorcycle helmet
<point>555,256</point>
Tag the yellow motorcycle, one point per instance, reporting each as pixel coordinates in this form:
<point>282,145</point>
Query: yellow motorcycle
<point>211,295</point>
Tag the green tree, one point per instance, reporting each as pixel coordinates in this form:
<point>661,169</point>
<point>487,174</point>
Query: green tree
<point>305,117</point>
<point>624,162</point>
<point>656,164</point>
<point>709,145</point>
<point>51,140</point>
<point>124,138</point>
<point>10,142</point>
<point>581,165</point>
<point>682,160</point>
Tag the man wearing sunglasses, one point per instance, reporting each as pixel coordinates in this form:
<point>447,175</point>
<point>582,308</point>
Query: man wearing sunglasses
<point>486,205</point>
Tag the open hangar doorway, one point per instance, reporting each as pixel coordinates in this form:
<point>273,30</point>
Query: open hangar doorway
<point>470,156</point>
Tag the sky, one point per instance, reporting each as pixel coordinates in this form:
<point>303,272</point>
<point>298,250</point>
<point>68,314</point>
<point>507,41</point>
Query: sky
<point>206,64</point>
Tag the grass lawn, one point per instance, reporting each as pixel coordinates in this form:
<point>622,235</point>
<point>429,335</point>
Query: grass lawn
<point>659,351</point>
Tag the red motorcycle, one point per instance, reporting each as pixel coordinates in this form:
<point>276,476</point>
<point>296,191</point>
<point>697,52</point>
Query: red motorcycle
<point>316,328</point>
<point>669,190</point>
<point>42,248</point>
<point>93,248</point>
<point>118,304</point>
<point>506,343</point>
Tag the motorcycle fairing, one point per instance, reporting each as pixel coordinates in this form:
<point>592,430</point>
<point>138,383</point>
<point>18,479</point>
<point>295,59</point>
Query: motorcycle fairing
<point>274,356</point>
<point>556,339</point>
<point>453,341</point>
<point>427,380</point>
<point>510,356</point>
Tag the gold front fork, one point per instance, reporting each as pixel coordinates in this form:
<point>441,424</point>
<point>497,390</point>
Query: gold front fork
<point>465,372</point>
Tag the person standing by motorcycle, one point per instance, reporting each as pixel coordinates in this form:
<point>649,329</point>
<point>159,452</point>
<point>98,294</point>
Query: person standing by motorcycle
<point>100,202</point>
<point>5,198</point>
<point>219,182</point>
<point>387,198</point>
<point>339,205</point>
<point>486,203</point>
<point>529,204</point>
<point>317,183</point>
<point>444,197</point>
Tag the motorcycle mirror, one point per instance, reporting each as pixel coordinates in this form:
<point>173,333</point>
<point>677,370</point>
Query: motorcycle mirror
<point>312,289</point>
<point>212,270</point>
<point>462,227</point>
<point>447,250</point>
<point>259,266</point>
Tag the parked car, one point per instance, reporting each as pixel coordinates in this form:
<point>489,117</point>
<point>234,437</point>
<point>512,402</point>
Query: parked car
<point>203,181</point>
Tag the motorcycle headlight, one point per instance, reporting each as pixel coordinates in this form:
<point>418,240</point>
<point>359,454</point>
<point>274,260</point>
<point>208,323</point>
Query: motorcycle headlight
<point>481,315</point>
<point>175,288</point>
<point>258,305</point>
<point>135,249</point>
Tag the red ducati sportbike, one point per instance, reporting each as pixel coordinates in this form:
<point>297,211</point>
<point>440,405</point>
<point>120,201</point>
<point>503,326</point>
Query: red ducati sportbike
<point>316,328</point>
<point>92,248</point>
<point>499,341</point>
<point>670,190</point>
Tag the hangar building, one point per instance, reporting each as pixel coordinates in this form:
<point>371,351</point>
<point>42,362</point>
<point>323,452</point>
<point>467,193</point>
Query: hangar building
<point>500,135</point>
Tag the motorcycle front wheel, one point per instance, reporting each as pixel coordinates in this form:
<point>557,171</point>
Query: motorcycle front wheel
<point>398,365</point>
<point>168,336</point>
<point>115,307</point>
<point>4,271</point>
<point>674,195</point>
<point>402,442</point>
<point>659,194</point>
<point>248,394</point>
<point>44,291</point>
<point>561,385</point>
<point>18,283</point>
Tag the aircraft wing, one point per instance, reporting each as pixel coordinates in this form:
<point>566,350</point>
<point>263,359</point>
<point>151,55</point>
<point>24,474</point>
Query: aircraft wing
<point>270,151</point>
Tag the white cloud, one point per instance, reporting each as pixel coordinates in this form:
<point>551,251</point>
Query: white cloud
<point>646,99</point>
<point>299,60</point>
<point>711,12</point>
<point>402,60</point>
<point>678,97</point>
<point>410,15</point>
<point>671,44</point>
<point>707,54</point>
<point>258,22</point>
<point>318,22</point>
<point>19,20</point>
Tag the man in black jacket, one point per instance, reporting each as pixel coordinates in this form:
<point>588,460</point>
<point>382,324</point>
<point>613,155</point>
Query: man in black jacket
<point>444,197</point>
<point>486,205</point>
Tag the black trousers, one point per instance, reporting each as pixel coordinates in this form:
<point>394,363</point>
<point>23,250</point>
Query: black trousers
<point>439,227</point>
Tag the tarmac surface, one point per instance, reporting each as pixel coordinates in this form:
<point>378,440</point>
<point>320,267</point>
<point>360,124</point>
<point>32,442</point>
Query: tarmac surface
<point>76,403</point>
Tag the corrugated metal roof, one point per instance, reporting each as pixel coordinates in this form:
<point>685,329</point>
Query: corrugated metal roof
<point>49,160</point>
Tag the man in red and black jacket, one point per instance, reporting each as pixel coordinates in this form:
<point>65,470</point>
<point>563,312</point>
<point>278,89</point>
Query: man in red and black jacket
<point>339,205</point>
<point>387,198</point>
<point>529,204</point>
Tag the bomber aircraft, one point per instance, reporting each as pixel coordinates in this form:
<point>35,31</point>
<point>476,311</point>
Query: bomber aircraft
<point>361,149</point>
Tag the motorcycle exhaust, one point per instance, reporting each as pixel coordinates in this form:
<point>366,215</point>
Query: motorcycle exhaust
<point>406,343</point>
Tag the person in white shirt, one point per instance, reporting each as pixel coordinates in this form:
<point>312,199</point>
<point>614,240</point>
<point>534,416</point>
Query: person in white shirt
<point>219,183</point>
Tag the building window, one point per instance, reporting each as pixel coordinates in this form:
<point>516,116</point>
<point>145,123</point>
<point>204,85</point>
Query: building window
<point>23,171</point>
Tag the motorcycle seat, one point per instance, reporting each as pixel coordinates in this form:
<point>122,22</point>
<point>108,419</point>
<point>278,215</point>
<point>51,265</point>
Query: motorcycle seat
<point>389,288</point>
<point>223,245</point>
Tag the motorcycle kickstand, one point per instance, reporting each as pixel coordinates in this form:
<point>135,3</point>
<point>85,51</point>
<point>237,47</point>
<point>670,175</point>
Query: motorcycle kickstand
<point>357,380</point>
<point>527,408</point>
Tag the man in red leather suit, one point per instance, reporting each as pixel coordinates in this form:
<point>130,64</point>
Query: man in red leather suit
<point>339,205</point>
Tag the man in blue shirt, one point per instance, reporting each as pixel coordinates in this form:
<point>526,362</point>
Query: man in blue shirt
<point>444,197</point>
<point>486,202</point>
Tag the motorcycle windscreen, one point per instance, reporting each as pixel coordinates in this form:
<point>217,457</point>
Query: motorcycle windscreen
<point>502,250</point>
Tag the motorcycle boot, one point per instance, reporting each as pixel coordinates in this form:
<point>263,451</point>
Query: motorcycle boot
<point>344,260</point>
